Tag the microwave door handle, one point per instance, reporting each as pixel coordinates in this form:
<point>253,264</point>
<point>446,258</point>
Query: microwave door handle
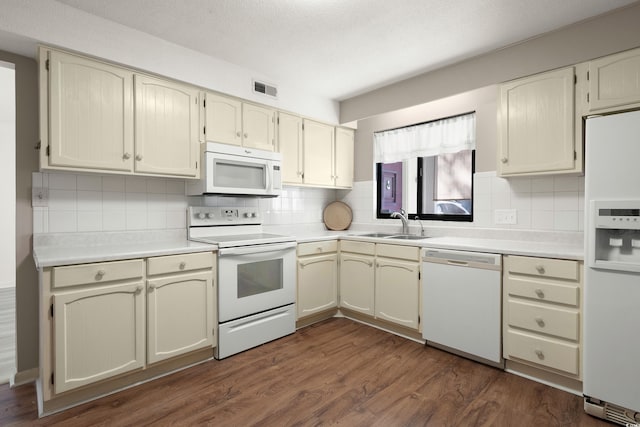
<point>268,173</point>
<point>258,249</point>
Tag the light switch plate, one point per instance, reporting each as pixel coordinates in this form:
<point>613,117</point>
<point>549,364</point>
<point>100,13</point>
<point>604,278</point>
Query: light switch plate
<point>505,216</point>
<point>39,197</point>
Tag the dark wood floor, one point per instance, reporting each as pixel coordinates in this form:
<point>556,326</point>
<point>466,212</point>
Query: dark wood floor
<point>335,372</point>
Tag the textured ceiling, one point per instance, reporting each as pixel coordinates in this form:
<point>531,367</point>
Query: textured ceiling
<point>341,48</point>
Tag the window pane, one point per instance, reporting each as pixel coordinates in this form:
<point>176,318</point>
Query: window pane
<point>390,187</point>
<point>447,184</point>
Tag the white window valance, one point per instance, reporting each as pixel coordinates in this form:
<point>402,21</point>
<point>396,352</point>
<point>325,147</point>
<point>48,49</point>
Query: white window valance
<point>428,139</point>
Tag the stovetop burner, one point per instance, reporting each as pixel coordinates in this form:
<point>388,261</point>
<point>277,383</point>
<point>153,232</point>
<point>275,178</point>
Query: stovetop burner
<point>230,227</point>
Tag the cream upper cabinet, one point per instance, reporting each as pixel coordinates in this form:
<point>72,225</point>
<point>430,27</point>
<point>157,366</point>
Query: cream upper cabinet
<point>398,291</point>
<point>344,157</point>
<point>230,121</point>
<point>290,146</point>
<point>317,277</point>
<point>357,282</point>
<point>258,127</point>
<point>537,125</point>
<point>98,333</point>
<point>166,128</point>
<point>89,112</point>
<point>223,119</point>
<point>318,153</point>
<point>614,82</point>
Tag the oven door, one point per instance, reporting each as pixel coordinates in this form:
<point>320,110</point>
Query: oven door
<point>252,279</point>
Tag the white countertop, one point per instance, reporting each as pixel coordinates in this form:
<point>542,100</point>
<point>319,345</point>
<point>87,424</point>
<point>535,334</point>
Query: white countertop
<point>80,248</point>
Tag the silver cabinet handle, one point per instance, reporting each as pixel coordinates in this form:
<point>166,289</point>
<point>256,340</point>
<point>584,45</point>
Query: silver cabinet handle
<point>139,289</point>
<point>182,265</point>
<point>100,274</point>
<point>152,286</point>
<point>540,321</point>
<point>504,160</point>
<point>238,134</point>
<point>539,353</point>
<point>138,157</point>
<point>126,156</point>
<point>540,293</point>
<point>540,268</point>
<point>246,135</point>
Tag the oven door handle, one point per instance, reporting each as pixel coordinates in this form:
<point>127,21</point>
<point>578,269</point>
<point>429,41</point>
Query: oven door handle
<point>257,249</point>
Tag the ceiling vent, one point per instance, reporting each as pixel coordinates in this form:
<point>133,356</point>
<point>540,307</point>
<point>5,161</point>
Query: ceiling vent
<point>265,89</point>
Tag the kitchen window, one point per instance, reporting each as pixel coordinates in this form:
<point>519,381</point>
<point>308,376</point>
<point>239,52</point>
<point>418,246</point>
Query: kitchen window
<point>427,169</point>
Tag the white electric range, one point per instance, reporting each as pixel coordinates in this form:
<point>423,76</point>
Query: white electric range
<point>256,276</point>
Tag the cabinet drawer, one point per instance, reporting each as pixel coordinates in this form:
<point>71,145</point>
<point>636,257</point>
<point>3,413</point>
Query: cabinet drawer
<point>314,248</point>
<point>411,253</point>
<point>84,274</point>
<point>531,287</point>
<point>543,267</point>
<point>543,351</point>
<point>357,247</point>
<point>563,323</point>
<point>178,263</point>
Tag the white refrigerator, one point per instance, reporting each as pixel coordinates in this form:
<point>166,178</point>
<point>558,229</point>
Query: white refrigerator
<point>611,380</point>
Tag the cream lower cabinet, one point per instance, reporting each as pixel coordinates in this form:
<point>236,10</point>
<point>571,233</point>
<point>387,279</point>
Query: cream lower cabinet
<point>537,127</point>
<point>107,320</point>
<point>614,82</point>
<point>357,276</point>
<point>398,284</point>
<point>317,277</point>
<point>180,305</point>
<point>542,315</point>
<point>98,322</point>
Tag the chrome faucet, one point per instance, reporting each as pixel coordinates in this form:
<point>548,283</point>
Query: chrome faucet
<point>417,218</point>
<point>403,217</point>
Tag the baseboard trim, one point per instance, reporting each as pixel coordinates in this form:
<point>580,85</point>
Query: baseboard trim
<point>23,377</point>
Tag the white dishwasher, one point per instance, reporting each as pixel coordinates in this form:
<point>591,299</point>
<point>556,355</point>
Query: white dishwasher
<point>462,303</point>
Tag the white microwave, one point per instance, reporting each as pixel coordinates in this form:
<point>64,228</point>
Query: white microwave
<point>233,170</point>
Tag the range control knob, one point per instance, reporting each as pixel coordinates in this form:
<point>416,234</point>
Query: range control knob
<point>210,215</point>
<point>247,215</point>
<point>201,215</point>
<point>254,214</point>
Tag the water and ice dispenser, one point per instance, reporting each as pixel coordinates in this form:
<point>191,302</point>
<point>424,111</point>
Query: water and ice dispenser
<point>615,235</point>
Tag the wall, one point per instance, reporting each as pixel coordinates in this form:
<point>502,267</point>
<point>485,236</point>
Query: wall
<point>94,202</point>
<point>25,22</point>
<point>482,101</point>
<point>7,174</point>
<point>600,36</point>
<point>26,162</point>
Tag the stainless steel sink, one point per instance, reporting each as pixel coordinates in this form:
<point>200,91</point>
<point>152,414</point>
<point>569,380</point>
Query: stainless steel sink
<point>406,237</point>
<point>383,235</point>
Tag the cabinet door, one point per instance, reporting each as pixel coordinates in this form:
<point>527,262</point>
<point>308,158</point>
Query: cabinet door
<point>317,284</point>
<point>98,333</point>
<point>290,146</point>
<point>537,124</point>
<point>166,128</point>
<point>223,119</point>
<point>344,157</point>
<point>180,312</point>
<point>90,114</point>
<point>318,153</point>
<point>357,283</point>
<point>397,292</point>
<point>614,81</point>
<point>258,127</point>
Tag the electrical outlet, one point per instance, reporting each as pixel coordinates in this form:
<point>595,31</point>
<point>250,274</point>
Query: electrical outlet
<point>505,216</point>
<point>39,197</point>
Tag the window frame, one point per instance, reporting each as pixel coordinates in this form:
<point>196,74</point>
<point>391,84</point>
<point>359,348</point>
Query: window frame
<point>424,216</point>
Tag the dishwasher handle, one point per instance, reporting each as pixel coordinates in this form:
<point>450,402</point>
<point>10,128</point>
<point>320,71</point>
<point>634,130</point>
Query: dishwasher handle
<point>483,261</point>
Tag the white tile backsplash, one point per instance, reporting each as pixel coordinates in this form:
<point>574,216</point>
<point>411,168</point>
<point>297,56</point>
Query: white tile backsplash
<point>542,203</point>
<point>81,202</point>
